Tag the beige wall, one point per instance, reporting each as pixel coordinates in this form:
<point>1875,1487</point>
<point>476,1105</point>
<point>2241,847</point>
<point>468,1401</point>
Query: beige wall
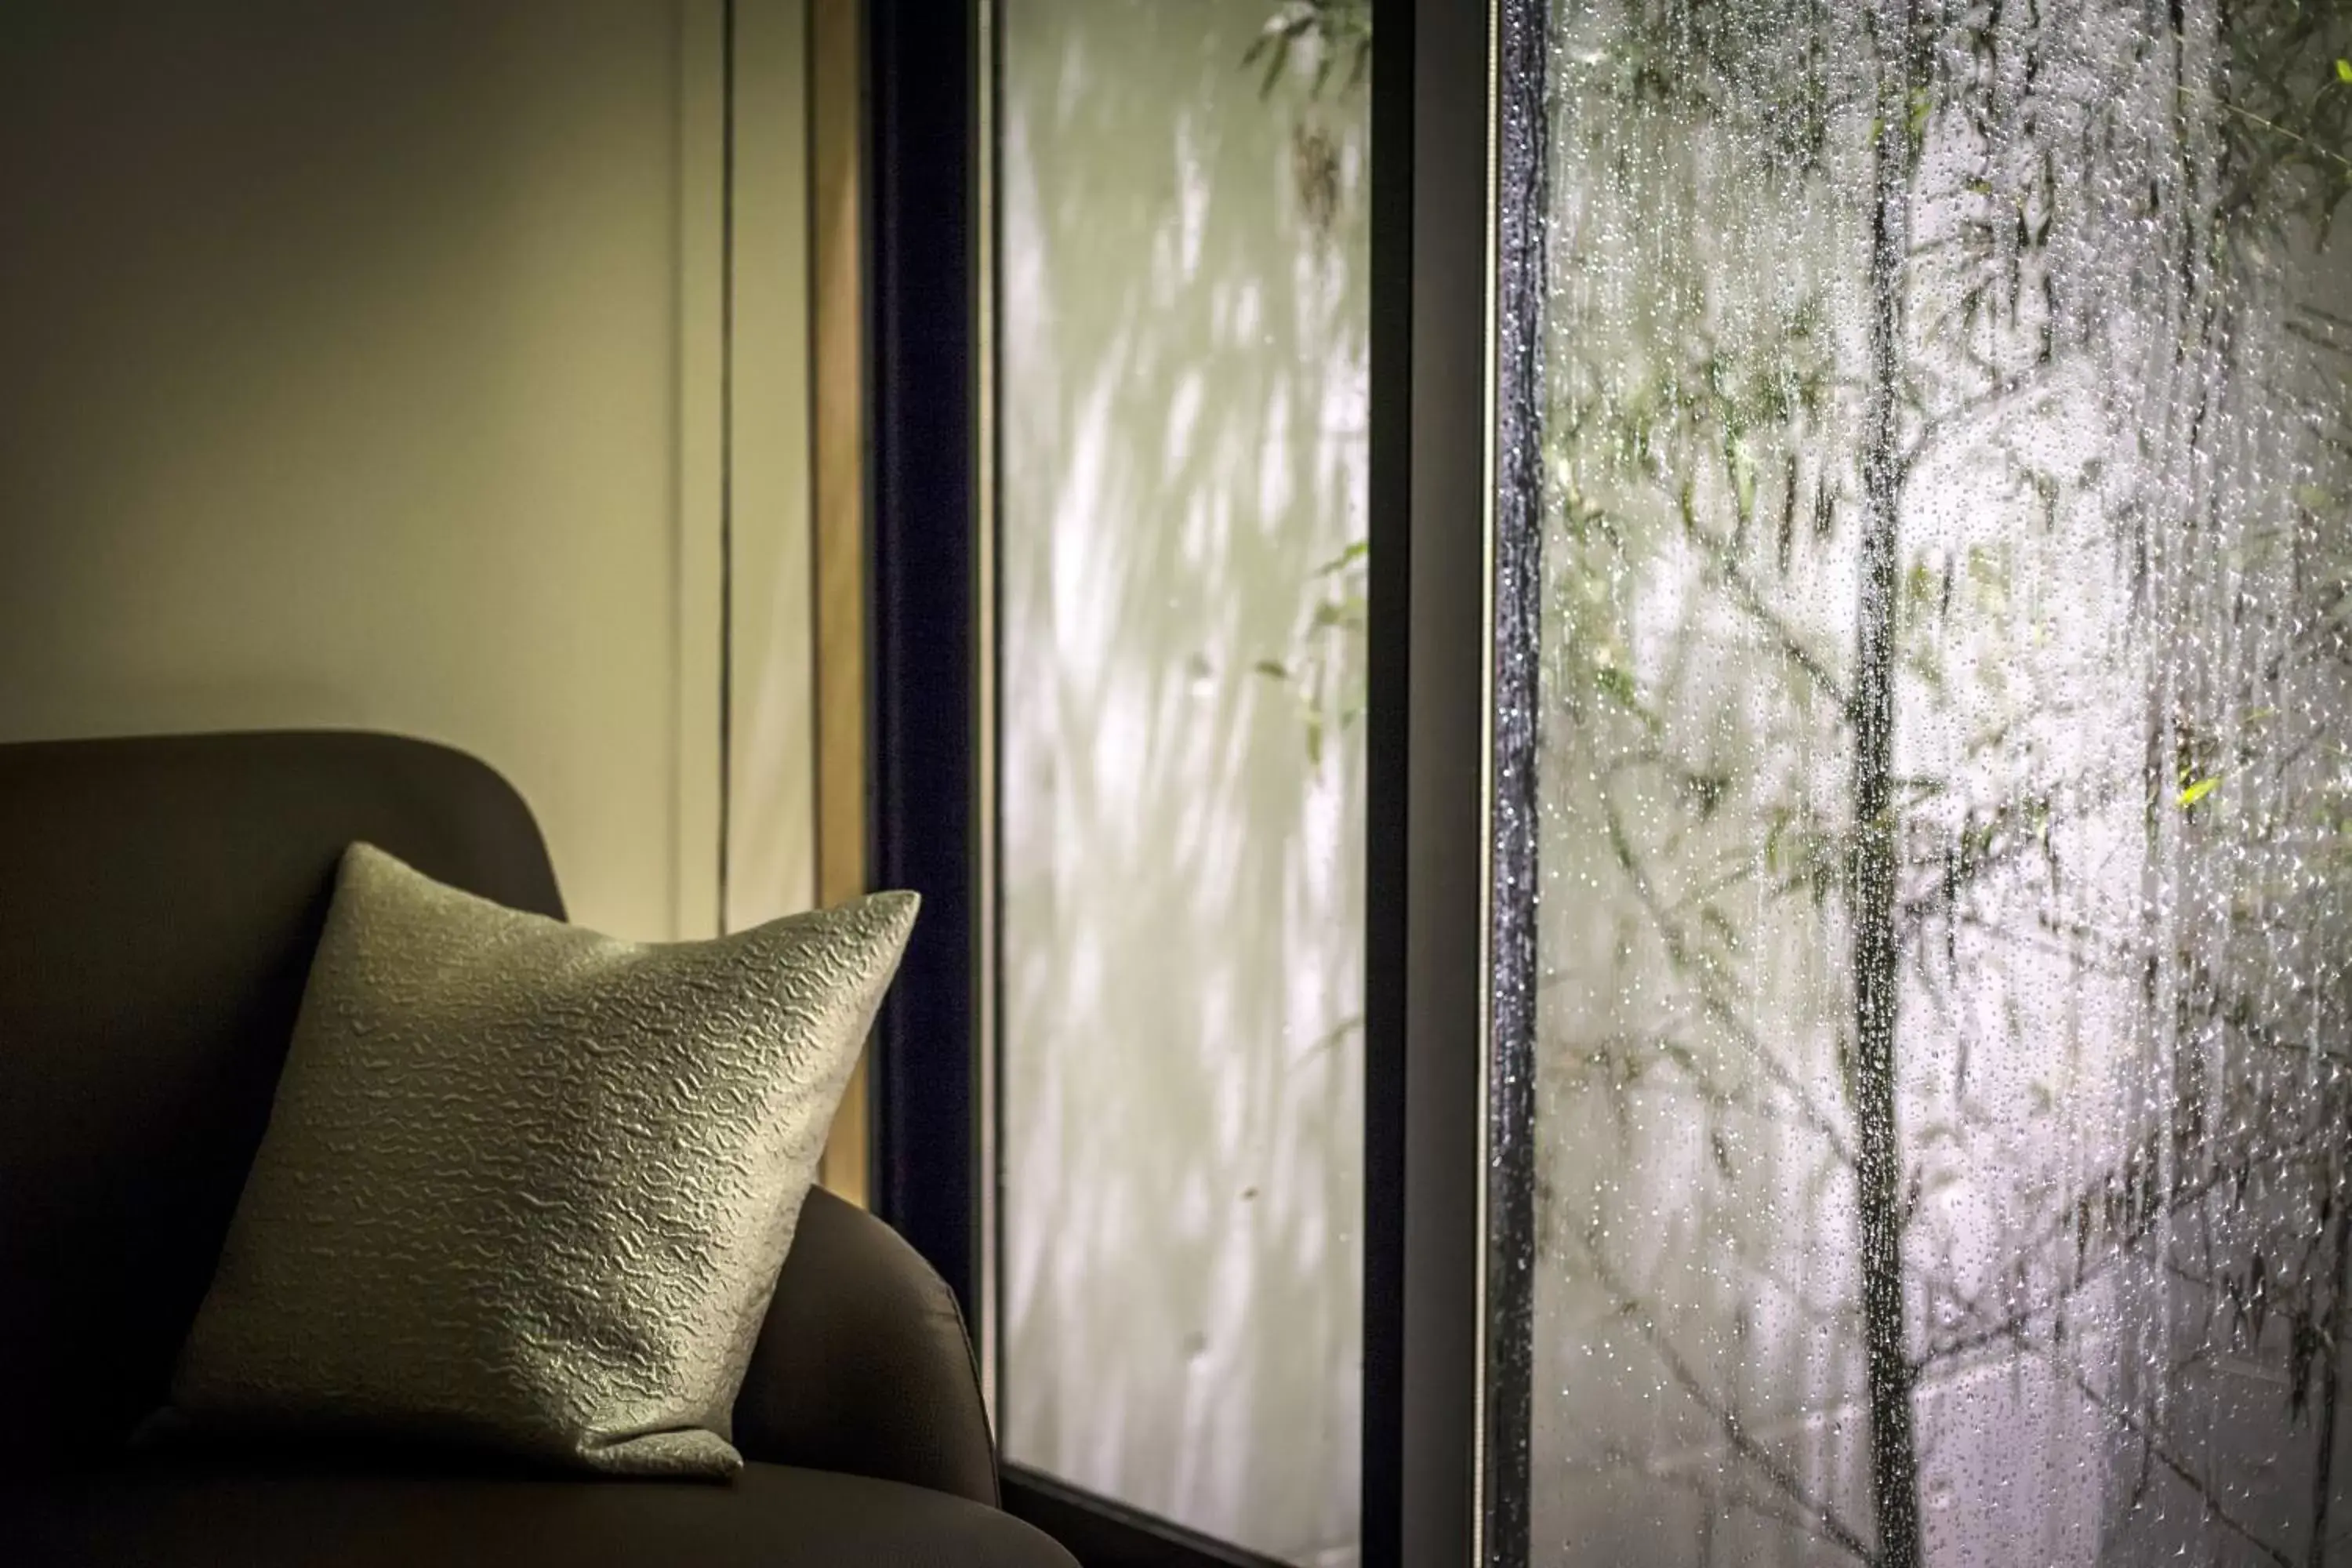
<point>358,367</point>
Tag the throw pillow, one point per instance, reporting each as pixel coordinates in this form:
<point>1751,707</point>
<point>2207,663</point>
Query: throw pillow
<point>529,1188</point>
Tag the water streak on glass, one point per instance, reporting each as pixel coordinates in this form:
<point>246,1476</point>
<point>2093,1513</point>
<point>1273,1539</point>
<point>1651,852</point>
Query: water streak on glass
<point>1944,1125</point>
<point>1182,242</point>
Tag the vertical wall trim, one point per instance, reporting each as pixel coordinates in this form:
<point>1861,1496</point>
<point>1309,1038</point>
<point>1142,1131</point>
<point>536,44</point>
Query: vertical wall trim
<point>836,395</point>
<point>771,677</point>
<point>726,451</point>
<point>695,799</point>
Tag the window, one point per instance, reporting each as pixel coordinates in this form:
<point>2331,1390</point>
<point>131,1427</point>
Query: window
<point>1942,1046</point>
<point>1180,233</point>
<point>1766,585</point>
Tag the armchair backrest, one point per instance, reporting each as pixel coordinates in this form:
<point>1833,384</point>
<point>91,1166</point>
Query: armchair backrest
<point>160,899</point>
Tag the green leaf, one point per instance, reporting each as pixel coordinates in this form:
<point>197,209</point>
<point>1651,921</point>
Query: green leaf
<point>1271,668</point>
<point>1720,926</point>
<point>1743,476</point>
<point>1275,59</point>
<point>1342,612</point>
<point>2343,71</point>
<point>1345,559</point>
<point>2198,791</point>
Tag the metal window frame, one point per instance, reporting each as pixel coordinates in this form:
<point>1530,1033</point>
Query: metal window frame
<point>1518,274</point>
<point>1449,646</point>
<point>1426,745</point>
<point>924,647</point>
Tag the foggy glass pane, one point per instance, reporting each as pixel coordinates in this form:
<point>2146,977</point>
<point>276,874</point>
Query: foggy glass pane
<point>1182,397</point>
<point>1945,1039</point>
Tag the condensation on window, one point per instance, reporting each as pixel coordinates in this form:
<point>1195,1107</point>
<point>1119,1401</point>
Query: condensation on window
<point>1943,1031</point>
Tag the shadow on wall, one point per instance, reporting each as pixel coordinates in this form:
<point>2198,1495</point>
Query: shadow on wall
<point>1182,480</point>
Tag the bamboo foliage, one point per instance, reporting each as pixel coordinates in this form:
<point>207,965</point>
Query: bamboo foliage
<point>1924,378</point>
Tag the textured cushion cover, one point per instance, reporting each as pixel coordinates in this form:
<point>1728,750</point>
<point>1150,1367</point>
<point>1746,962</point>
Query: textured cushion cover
<point>330,1515</point>
<point>527,1188</point>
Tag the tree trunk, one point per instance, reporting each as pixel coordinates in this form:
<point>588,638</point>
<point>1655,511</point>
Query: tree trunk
<point>1880,1202</point>
<point>2332,1346</point>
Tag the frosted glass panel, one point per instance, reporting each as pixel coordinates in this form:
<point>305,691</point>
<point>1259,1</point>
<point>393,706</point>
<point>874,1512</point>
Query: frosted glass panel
<point>1181,395</point>
<point>1944,1042</point>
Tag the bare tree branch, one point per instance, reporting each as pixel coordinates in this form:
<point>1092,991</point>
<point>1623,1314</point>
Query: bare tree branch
<point>1684,957</point>
<point>1724,565</point>
<point>1738,1499</point>
<point>1824,1518</point>
<point>2208,1493</point>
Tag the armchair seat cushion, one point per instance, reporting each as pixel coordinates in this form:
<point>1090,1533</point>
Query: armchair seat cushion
<point>165,1511</point>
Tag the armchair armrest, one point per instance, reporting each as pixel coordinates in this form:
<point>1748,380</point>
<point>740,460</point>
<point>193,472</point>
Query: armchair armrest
<point>863,1364</point>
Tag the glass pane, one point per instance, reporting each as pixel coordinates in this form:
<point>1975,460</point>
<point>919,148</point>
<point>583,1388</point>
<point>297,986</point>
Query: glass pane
<point>1181,234</point>
<point>1944,1038</point>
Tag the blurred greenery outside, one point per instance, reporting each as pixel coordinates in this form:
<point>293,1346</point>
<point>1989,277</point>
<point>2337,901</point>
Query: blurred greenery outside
<point>1947,1119</point>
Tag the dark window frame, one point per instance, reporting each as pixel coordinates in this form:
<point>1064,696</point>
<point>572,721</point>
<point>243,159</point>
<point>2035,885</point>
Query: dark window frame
<point>1433,1205</point>
<point>923,648</point>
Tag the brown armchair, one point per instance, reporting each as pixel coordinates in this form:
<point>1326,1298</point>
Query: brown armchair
<point>159,901</point>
